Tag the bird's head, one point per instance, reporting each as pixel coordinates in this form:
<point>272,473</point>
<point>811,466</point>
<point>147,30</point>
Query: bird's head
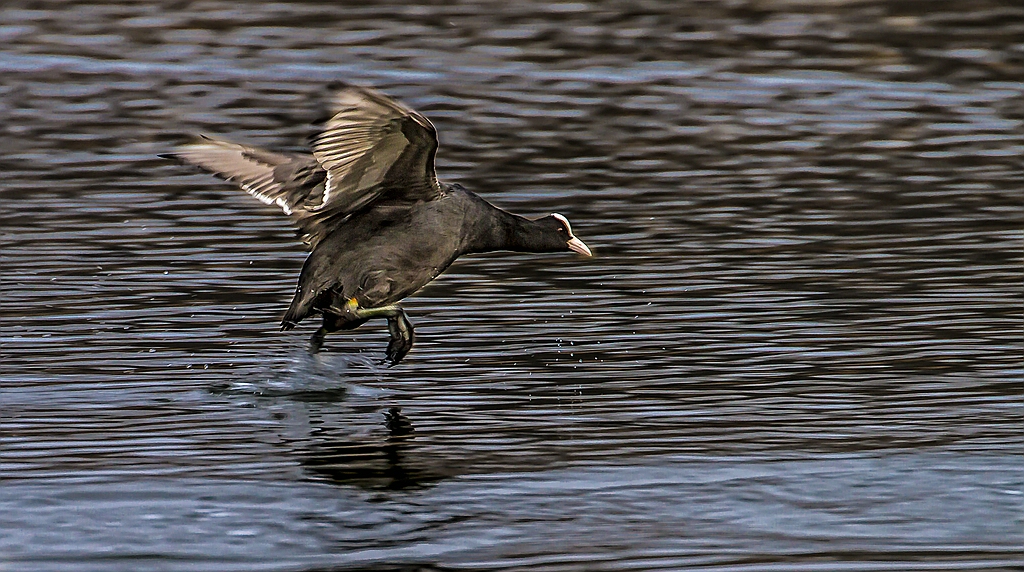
<point>558,232</point>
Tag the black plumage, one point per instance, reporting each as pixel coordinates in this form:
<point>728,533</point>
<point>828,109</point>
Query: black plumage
<point>368,205</point>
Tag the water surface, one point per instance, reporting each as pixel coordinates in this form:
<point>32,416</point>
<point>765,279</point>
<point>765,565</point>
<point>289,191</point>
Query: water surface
<point>798,346</point>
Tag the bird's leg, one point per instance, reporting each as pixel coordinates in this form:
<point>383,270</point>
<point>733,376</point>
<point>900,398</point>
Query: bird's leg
<point>399,326</point>
<point>317,341</point>
<point>332,322</point>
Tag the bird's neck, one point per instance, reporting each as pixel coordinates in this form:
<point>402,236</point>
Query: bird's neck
<point>494,229</point>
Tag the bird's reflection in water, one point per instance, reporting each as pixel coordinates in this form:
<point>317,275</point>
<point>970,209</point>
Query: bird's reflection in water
<point>338,429</point>
<point>378,461</point>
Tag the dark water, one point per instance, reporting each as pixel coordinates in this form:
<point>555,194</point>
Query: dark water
<point>799,346</point>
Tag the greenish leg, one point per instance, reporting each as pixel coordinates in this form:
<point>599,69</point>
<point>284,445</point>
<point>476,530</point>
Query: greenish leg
<point>399,326</point>
<point>382,312</point>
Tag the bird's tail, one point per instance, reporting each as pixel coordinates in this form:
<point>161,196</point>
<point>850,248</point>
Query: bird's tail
<point>297,311</point>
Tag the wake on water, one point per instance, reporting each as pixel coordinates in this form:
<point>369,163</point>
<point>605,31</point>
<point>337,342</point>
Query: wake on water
<point>326,375</point>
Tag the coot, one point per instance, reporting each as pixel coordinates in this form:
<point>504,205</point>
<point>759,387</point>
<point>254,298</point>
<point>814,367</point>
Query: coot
<point>368,205</point>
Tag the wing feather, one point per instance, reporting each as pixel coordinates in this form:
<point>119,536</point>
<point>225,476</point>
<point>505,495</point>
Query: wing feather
<point>372,148</point>
<point>266,175</point>
<point>375,146</point>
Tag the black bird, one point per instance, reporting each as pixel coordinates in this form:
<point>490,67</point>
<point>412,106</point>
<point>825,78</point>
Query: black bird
<point>368,205</point>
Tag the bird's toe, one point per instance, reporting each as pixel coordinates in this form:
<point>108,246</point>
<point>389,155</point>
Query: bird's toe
<point>402,337</point>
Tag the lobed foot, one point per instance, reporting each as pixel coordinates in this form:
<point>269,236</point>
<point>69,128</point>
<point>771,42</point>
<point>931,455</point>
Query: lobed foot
<point>402,337</point>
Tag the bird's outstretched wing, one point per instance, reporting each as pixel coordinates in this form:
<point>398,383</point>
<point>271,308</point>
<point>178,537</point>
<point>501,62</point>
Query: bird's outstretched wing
<point>285,180</point>
<point>372,148</point>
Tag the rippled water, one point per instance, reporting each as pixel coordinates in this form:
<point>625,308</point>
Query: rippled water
<point>799,346</point>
